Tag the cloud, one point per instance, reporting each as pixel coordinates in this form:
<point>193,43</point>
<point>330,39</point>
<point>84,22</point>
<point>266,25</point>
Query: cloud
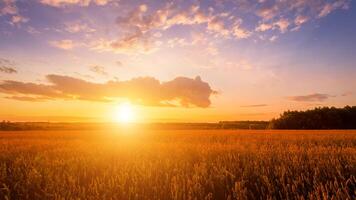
<point>38,90</point>
<point>240,33</point>
<point>18,19</point>
<point>177,42</point>
<point>32,30</point>
<point>130,44</point>
<point>264,27</point>
<point>138,24</point>
<point>327,8</point>
<point>8,7</point>
<point>142,28</point>
<point>98,69</point>
<point>300,19</point>
<point>7,66</point>
<point>281,24</point>
<point>316,97</point>
<point>273,38</point>
<point>63,3</point>
<point>63,44</point>
<point>77,27</point>
<point>269,12</point>
<point>142,25</point>
<point>181,91</point>
<point>8,70</point>
<point>277,14</point>
<point>254,106</point>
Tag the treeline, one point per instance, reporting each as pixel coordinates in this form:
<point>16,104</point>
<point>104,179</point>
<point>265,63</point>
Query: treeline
<point>26,126</point>
<point>19,126</point>
<point>9,126</point>
<point>318,118</point>
<point>255,125</point>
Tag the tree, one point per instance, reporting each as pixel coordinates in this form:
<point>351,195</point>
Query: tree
<point>317,118</point>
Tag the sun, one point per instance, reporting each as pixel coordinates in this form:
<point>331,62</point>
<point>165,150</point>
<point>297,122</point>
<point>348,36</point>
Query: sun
<point>125,113</point>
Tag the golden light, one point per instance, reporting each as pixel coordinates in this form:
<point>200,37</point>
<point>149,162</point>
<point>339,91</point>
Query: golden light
<point>125,113</point>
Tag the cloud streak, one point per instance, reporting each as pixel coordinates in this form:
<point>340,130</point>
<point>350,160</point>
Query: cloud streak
<point>316,97</point>
<point>254,106</point>
<point>181,91</point>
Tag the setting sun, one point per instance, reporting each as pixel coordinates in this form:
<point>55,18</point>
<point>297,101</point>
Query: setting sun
<point>125,113</point>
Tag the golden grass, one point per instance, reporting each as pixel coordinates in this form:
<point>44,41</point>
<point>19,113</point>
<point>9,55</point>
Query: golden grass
<point>178,165</point>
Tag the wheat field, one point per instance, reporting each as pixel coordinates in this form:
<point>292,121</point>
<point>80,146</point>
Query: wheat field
<point>184,164</point>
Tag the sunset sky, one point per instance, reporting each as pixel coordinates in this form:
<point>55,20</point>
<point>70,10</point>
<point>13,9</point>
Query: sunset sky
<point>174,61</point>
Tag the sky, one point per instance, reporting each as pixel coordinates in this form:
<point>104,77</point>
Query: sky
<point>174,61</point>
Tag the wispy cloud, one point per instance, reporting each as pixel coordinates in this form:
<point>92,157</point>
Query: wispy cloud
<point>180,91</point>
<point>63,3</point>
<point>254,105</point>
<point>300,19</point>
<point>135,29</point>
<point>143,23</point>
<point>276,14</point>
<point>18,19</point>
<point>310,98</point>
<point>8,7</point>
<point>8,70</point>
<point>63,44</point>
<point>98,70</point>
<point>7,66</point>
<point>78,27</point>
<point>328,7</point>
<point>281,25</point>
<point>130,44</point>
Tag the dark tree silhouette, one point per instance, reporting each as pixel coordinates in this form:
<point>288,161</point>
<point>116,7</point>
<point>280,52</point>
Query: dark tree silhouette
<point>318,118</point>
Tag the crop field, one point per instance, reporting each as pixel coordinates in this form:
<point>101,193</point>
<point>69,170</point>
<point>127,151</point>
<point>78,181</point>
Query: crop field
<point>184,164</point>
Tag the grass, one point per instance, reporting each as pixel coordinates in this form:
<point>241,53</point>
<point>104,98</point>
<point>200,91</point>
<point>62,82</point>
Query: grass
<point>178,164</point>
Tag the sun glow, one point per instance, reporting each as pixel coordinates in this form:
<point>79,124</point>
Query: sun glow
<point>125,113</point>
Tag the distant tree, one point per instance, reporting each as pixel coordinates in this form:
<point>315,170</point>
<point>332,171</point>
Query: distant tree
<point>318,118</point>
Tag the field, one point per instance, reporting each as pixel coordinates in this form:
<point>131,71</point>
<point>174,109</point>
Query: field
<point>185,164</point>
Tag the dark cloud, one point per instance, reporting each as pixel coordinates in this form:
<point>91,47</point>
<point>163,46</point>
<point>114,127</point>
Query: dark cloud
<point>7,70</point>
<point>254,105</point>
<point>7,66</point>
<point>149,91</point>
<point>316,97</point>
